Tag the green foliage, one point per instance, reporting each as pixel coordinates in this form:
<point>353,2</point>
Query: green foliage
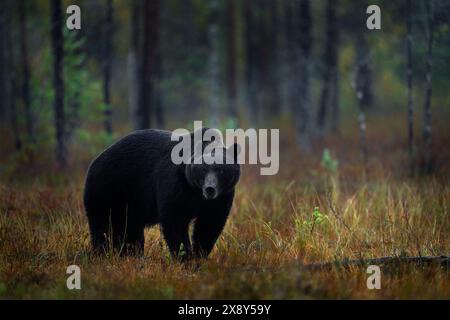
<point>82,95</point>
<point>227,123</point>
<point>94,141</point>
<point>83,100</point>
<point>317,219</point>
<point>328,163</point>
<point>231,123</point>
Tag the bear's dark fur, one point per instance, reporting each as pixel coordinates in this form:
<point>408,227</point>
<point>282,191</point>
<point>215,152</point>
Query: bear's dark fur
<point>134,184</point>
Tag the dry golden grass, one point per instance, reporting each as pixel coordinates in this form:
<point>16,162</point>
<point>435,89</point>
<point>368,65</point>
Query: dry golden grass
<point>303,215</point>
<point>271,229</point>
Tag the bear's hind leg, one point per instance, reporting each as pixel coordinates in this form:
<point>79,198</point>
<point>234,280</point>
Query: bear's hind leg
<point>127,234</point>
<point>98,231</point>
<point>133,244</point>
<point>118,231</point>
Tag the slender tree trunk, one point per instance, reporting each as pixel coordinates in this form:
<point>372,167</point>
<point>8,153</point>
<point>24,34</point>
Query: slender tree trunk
<point>300,33</point>
<point>409,77</point>
<point>26,95</point>
<point>324,97</point>
<point>335,103</point>
<point>149,61</point>
<point>275,65</point>
<point>74,102</point>
<point>267,49</point>
<point>283,62</point>
<point>107,64</point>
<point>191,97</point>
<point>360,84</point>
<point>213,63</point>
<point>427,125</point>
<point>252,61</point>
<point>292,53</point>
<point>362,132</point>
<point>159,103</point>
<point>134,61</point>
<point>58,80</point>
<point>143,112</point>
<point>330,86</point>
<point>334,27</point>
<point>4,97</point>
<point>158,72</point>
<point>11,75</point>
<point>231,57</point>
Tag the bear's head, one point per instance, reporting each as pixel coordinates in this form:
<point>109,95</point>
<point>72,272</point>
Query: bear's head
<point>213,178</point>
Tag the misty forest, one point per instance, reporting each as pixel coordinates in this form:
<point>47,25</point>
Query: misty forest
<point>364,158</point>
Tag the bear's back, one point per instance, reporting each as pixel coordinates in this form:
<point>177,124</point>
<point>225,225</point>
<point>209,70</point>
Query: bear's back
<point>124,163</point>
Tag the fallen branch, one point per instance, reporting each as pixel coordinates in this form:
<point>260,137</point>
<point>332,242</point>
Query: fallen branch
<point>441,261</point>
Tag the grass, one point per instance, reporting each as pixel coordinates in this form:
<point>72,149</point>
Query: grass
<point>305,214</point>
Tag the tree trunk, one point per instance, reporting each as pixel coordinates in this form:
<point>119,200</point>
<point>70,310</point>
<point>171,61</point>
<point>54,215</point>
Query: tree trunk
<point>157,78</point>
<point>334,28</point>
<point>324,97</point>
<point>159,103</point>
<point>269,50</point>
<point>191,96</point>
<point>305,72</point>
<point>329,94</point>
<point>58,80</point>
<point>4,97</point>
<point>252,73</point>
<point>427,125</point>
<point>11,75</point>
<point>362,132</point>
<point>213,63</point>
<point>143,110</point>
<point>360,84</point>
<point>74,97</point>
<point>299,33</point>
<point>134,61</point>
<point>283,56</point>
<point>231,58</point>
<point>148,71</point>
<point>107,64</point>
<point>26,95</point>
<point>409,77</point>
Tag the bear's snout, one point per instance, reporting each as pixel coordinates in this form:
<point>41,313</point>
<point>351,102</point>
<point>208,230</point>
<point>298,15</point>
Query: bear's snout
<point>210,191</point>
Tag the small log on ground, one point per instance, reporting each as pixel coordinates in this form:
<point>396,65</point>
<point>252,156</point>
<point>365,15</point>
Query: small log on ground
<point>442,261</point>
<point>392,263</point>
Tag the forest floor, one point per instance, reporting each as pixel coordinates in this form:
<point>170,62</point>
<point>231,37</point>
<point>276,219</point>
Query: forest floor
<point>308,213</point>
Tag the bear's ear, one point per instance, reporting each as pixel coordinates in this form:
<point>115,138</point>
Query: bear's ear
<point>233,152</point>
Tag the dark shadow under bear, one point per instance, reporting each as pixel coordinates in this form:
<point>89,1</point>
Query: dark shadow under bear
<point>134,184</point>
